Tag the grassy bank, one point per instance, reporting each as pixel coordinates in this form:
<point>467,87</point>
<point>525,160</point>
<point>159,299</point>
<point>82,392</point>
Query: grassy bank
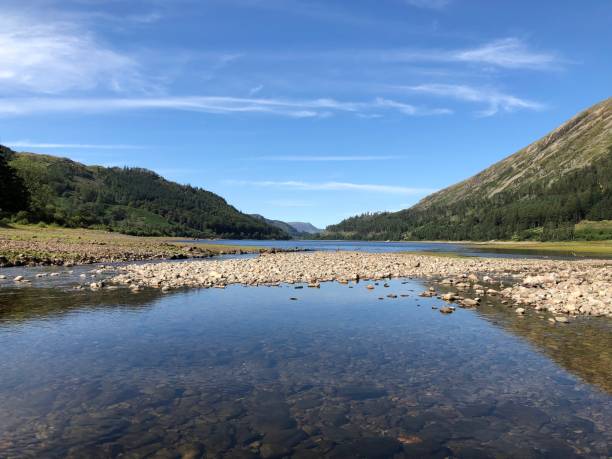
<point>33,244</point>
<point>579,248</point>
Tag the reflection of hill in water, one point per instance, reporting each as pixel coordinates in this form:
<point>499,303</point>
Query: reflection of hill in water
<point>30,304</point>
<point>583,347</point>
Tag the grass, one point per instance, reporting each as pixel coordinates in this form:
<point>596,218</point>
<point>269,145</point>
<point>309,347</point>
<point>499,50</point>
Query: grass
<point>571,247</point>
<point>594,231</point>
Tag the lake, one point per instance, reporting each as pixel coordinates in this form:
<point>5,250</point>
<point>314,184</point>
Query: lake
<point>335,372</point>
<point>412,246</point>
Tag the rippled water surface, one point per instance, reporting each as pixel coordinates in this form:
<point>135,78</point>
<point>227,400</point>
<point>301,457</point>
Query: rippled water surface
<point>336,372</point>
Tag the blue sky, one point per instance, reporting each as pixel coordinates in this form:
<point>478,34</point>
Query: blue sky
<point>295,109</point>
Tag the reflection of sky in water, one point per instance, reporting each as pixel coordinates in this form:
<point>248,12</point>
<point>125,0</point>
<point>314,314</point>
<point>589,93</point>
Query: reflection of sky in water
<point>335,372</point>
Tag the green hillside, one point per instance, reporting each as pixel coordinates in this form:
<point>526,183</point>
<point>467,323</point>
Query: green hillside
<point>540,193</point>
<point>290,230</point>
<point>128,200</point>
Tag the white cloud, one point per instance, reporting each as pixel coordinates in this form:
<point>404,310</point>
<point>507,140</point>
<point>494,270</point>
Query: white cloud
<point>333,186</point>
<point>307,158</point>
<point>43,56</point>
<point>510,53</point>
<point>52,146</point>
<point>307,108</point>
<point>496,101</point>
<point>408,109</point>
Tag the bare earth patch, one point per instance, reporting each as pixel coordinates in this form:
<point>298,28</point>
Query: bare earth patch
<point>31,245</point>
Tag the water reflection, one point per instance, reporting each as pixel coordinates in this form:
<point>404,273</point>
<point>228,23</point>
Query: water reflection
<point>584,348</point>
<point>246,372</point>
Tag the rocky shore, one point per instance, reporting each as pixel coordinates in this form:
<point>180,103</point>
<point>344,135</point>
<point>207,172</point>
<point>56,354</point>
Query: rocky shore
<point>563,288</point>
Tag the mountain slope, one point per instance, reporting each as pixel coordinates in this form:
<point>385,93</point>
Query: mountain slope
<point>286,227</point>
<point>293,229</point>
<point>305,227</point>
<point>128,200</point>
<point>540,192</point>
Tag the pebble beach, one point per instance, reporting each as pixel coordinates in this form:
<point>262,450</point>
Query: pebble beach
<point>567,288</point>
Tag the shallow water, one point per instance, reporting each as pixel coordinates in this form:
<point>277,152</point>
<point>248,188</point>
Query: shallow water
<point>412,246</point>
<point>248,372</point>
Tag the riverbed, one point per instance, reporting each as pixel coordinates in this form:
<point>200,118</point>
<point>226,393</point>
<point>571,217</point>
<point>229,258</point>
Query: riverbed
<point>334,371</point>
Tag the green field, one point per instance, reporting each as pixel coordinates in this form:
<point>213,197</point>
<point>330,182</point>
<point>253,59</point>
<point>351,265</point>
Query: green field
<point>580,248</point>
<point>594,231</point>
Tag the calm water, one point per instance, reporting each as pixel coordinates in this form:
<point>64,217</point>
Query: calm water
<point>378,247</point>
<point>248,372</point>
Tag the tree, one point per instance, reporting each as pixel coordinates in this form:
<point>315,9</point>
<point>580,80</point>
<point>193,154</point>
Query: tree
<point>14,196</point>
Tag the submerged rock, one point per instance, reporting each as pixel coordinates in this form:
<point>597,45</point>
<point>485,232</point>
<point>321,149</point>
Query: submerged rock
<point>559,286</point>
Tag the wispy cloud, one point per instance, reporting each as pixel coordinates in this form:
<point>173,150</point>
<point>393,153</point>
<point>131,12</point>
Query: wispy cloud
<point>54,146</point>
<point>315,158</point>
<point>146,18</point>
<point>333,186</point>
<point>429,4</point>
<point>306,108</point>
<point>494,100</point>
<point>308,158</point>
<point>510,53</point>
<point>408,109</point>
<point>52,57</point>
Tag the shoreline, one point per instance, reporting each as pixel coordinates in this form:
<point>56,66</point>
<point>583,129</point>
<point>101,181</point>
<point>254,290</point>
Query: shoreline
<point>566,288</point>
<point>25,245</point>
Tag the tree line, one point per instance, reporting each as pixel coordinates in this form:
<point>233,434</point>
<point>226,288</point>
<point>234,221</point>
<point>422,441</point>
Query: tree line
<point>537,211</point>
<point>40,188</point>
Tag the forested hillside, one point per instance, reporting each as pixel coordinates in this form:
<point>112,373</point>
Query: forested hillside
<point>538,193</point>
<point>129,200</point>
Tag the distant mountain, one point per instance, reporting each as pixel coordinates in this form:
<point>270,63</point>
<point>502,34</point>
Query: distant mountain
<point>293,229</point>
<point>128,200</point>
<point>540,192</point>
<point>304,227</point>
<point>285,227</point>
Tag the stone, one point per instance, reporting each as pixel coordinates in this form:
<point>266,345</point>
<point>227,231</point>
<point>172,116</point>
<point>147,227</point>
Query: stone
<point>274,451</point>
<point>355,392</point>
<point>469,303</point>
<point>520,311</point>
<point>576,287</point>
<point>522,414</point>
<point>373,448</point>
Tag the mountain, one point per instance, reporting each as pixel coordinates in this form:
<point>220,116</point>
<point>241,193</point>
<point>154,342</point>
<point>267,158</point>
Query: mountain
<point>539,192</point>
<point>128,200</point>
<point>286,227</point>
<point>304,227</point>
<point>293,229</point>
